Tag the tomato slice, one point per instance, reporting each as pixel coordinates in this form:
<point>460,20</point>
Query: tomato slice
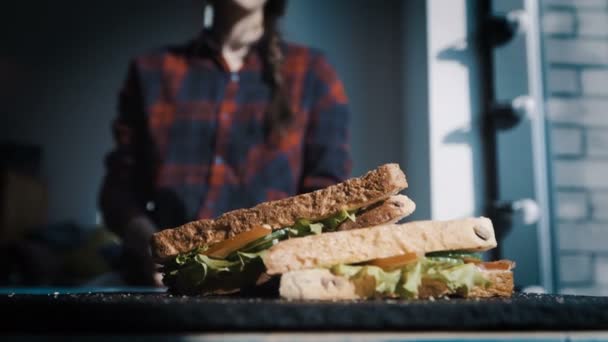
<point>469,260</point>
<point>394,261</point>
<point>500,265</point>
<point>224,248</point>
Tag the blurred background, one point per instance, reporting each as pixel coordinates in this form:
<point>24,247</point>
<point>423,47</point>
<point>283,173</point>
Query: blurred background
<point>496,108</point>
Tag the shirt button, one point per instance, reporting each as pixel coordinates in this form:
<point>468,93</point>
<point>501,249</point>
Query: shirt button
<point>150,206</point>
<point>234,77</point>
<point>219,160</point>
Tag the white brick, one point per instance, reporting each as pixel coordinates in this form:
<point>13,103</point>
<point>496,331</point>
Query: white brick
<point>558,22</point>
<point>590,112</point>
<point>567,141</point>
<point>593,24</point>
<point>576,3</point>
<point>595,82</point>
<point>572,205</point>
<point>597,142</point>
<point>601,271</point>
<point>562,80</point>
<point>581,173</point>
<point>599,205</point>
<point>577,51</point>
<point>588,237</point>
<point>575,268</point>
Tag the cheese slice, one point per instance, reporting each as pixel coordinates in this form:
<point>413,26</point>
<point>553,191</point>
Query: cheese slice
<point>394,262</point>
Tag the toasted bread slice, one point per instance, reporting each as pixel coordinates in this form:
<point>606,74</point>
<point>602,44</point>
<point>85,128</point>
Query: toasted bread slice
<point>389,211</point>
<point>355,193</point>
<point>321,284</point>
<point>359,245</point>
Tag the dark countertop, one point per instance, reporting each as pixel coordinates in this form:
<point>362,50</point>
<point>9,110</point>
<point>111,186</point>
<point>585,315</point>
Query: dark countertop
<point>161,312</point>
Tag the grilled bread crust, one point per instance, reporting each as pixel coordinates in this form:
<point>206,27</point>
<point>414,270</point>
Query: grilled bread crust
<point>389,211</point>
<point>354,193</point>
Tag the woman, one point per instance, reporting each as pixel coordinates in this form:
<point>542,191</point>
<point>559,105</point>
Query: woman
<point>231,119</point>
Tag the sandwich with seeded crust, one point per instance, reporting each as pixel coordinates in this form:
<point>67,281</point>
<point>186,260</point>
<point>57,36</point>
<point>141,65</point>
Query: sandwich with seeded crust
<point>374,189</point>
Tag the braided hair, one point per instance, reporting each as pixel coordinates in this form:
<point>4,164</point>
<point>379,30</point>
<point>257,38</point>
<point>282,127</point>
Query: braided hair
<point>279,115</point>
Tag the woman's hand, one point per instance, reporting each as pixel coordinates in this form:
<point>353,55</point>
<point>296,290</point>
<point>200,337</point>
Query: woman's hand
<point>137,267</point>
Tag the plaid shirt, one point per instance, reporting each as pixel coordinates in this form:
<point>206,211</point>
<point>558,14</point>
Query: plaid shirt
<point>190,135</point>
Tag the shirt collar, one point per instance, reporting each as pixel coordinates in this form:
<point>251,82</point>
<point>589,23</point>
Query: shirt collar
<point>206,45</point>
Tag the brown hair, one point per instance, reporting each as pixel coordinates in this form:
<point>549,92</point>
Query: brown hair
<point>278,114</point>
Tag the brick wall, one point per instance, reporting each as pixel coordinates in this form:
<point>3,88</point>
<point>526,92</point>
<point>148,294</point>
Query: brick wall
<point>575,36</point>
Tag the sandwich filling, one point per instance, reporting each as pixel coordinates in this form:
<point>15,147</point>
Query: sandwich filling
<point>237,263</point>
<point>456,272</point>
<point>234,266</point>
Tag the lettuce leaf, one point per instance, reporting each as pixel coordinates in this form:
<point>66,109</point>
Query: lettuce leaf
<point>370,280</point>
<point>348,271</point>
<point>331,224</point>
<point>411,278</point>
<point>386,281</point>
<point>459,277</point>
<point>305,227</point>
<point>197,273</point>
<point>455,255</point>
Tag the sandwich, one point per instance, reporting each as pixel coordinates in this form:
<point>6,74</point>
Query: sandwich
<point>415,260</point>
<point>340,242</point>
<point>223,255</point>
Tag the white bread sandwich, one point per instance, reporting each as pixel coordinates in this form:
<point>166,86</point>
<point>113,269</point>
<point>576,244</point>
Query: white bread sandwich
<point>415,260</point>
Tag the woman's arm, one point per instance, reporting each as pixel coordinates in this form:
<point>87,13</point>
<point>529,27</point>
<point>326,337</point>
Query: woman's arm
<point>122,197</point>
<point>127,185</point>
<point>327,156</point>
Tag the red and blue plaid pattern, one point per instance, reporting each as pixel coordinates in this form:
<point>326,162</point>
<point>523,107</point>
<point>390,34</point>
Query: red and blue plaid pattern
<point>190,134</point>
